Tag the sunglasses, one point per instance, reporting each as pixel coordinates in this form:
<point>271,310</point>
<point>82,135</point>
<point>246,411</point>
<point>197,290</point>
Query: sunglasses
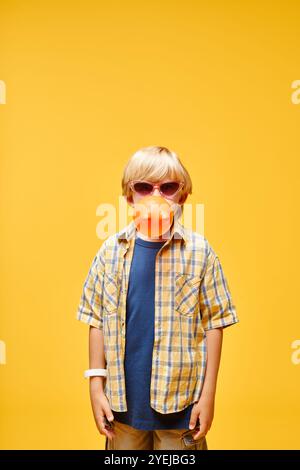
<point>166,189</point>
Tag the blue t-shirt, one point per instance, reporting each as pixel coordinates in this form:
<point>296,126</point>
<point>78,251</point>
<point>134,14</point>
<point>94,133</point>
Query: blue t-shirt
<point>139,345</point>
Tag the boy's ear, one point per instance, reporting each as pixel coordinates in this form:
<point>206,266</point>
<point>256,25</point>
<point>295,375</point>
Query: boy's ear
<point>183,199</point>
<point>129,200</point>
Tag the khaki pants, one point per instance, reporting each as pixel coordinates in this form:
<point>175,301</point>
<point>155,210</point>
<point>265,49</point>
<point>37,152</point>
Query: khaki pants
<point>129,438</point>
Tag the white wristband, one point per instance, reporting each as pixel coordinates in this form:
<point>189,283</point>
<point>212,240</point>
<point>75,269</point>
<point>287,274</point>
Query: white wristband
<point>95,372</point>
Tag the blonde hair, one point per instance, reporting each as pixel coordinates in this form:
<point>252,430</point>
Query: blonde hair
<point>155,163</point>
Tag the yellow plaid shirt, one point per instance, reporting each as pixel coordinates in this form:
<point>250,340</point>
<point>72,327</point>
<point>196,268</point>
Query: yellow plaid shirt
<point>191,297</point>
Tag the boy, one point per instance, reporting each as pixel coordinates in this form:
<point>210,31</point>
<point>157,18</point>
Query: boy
<point>156,308</point>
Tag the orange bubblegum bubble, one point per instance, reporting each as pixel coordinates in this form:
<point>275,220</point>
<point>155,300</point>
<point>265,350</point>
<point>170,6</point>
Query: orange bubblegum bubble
<point>153,216</point>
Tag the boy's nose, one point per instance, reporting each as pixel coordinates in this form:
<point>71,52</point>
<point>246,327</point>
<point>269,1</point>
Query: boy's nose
<point>156,192</point>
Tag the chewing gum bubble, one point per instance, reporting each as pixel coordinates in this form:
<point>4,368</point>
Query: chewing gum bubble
<point>153,216</point>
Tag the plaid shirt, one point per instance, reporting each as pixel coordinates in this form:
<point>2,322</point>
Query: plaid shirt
<point>191,297</point>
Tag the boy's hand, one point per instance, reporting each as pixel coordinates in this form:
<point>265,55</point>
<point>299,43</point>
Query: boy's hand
<point>101,410</point>
<point>202,411</point>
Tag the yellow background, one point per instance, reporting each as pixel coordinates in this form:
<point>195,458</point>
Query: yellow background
<point>88,83</point>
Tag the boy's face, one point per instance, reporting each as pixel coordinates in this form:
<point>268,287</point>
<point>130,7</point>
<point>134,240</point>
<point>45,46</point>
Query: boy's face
<point>177,199</point>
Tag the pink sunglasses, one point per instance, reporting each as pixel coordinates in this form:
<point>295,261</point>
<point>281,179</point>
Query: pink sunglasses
<point>167,189</point>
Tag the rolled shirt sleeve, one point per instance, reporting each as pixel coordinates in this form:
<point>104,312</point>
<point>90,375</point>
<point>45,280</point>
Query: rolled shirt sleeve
<point>90,307</point>
<point>216,305</point>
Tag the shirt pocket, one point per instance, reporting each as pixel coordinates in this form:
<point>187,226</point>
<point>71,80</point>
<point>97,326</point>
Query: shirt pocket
<point>111,292</point>
<point>186,293</point>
